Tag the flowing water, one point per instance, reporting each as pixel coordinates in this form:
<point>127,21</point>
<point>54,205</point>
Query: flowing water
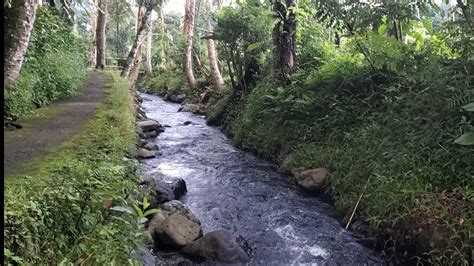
<point>234,190</point>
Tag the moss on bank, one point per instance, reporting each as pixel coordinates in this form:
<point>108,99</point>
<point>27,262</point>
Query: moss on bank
<point>60,212</point>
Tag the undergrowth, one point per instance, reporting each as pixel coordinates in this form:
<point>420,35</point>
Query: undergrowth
<point>61,212</point>
<point>54,66</point>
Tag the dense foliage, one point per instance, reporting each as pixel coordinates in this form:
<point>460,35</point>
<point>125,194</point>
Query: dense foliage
<point>54,67</point>
<point>62,212</point>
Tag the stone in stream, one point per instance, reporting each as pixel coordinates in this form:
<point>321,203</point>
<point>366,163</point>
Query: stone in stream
<point>145,154</point>
<point>193,108</point>
<point>141,143</point>
<point>313,180</point>
<point>221,246</point>
<point>174,225</point>
<point>150,146</point>
<point>175,98</point>
<point>187,123</point>
<point>179,188</point>
<point>149,125</point>
<point>150,134</point>
<point>163,193</point>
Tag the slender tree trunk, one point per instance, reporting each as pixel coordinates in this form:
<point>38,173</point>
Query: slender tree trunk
<point>134,51</point>
<point>188,29</point>
<point>467,13</point>
<point>93,23</point>
<point>216,77</point>
<point>284,39</point>
<point>149,67</point>
<point>18,25</point>
<point>100,33</point>
<point>133,76</point>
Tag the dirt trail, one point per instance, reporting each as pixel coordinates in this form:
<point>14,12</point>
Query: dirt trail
<point>39,137</point>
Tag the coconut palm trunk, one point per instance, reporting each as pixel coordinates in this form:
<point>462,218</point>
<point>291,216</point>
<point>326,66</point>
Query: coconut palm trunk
<point>149,66</point>
<point>216,77</point>
<point>284,38</point>
<point>188,30</point>
<point>18,25</point>
<point>135,52</point>
<point>93,23</point>
<point>100,33</point>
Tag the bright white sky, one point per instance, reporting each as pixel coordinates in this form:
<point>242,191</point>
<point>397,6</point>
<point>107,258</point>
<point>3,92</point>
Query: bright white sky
<point>174,6</point>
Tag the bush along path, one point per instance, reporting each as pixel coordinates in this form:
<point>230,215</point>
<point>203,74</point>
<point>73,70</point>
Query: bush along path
<point>69,210</point>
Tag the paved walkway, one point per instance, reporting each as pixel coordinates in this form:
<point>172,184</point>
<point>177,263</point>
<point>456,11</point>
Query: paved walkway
<point>37,138</point>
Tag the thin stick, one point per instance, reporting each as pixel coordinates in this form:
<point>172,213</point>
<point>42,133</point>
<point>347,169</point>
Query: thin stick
<point>357,204</point>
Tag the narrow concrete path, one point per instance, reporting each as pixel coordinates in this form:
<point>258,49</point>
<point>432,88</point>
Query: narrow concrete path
<point>41,135</point>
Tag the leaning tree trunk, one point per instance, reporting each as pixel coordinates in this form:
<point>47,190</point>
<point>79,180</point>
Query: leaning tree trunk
<point>134,51</point>
<point>19,21</point>
<point>149,67</point>
<point>216,77</point>
<point>100,33</point>
<point>133,76</point>
<point>467,13</point>
<point>284,40</point>
<point>188,29</point>
<point>93,23</point>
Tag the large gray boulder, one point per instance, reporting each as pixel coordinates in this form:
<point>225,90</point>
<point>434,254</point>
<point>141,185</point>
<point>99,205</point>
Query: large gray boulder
<point>192,108</point>
<point>149,125</point>
<point>174,225</point>
<point>179,188</point>
<point>145,154</point>
<point>221,246</point>
<point>313,180</point>
<point>150,146</point>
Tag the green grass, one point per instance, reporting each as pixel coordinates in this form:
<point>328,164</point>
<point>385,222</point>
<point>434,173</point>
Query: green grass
<point>57,212</point>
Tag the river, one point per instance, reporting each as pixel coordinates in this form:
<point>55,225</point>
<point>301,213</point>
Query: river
<point>235,190</point>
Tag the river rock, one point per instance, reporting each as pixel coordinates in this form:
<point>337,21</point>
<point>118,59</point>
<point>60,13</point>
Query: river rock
<point>314,180</point>
<point>149,125</point>
<point>178,98</point>
<point>143,153</point>
<point>174,225</point>
<point>163,192</point>
<point>187,123</point>
<point>141,142</point>
<point>150,146</point>
<point>220,245</point>
<point>179,188</point>
<point>193,108</point>
<point>150,134</point>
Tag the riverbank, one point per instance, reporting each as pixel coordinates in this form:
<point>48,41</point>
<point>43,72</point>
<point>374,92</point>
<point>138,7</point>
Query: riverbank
<point>60,211</point>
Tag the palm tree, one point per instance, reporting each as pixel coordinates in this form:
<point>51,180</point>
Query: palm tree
<point>19,20</point>
<point>188,30</point>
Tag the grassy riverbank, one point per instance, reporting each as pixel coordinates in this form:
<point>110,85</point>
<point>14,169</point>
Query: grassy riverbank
<point>60,211</point>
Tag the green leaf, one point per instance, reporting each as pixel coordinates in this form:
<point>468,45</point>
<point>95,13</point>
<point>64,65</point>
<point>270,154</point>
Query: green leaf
<point>145,203</point>
<point>469,107</point>
<point>139,211</point>
<point>382,29</point>
<point>427,25</point>
<point>466,139</point>
<point>151,211</point>
<point>123,209</point>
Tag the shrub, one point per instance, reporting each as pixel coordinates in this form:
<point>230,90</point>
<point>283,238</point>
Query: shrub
<point>54,66</point>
